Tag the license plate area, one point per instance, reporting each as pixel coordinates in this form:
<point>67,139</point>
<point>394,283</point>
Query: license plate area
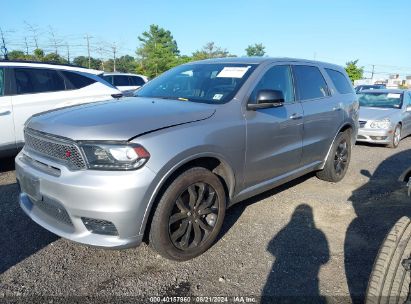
<point>31,186</point>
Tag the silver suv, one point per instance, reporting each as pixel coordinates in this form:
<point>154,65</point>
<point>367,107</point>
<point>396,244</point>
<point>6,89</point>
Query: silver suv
<point>193,142</point>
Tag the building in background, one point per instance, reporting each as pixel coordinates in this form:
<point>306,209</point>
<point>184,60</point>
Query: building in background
<point>394,81</point>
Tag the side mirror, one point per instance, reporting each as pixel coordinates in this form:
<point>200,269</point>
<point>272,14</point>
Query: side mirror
<point>267,99</point>
<point>408,109</point>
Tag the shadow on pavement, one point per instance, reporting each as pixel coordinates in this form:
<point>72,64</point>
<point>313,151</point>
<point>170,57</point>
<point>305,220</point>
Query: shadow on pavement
<point>6,164</point>
<point>234,212</point>
<point>20,237</point>
<point>378,205</point>
<point>300,249</point>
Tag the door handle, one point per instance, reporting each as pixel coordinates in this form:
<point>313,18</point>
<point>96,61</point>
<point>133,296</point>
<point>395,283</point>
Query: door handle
<point>4,113</point>
<point>296,116</point>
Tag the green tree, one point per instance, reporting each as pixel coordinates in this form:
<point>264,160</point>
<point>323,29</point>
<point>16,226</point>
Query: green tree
<point>157,53</point>
<point>83,62</point>
<point>354,71</point>
<point>210,50</point>
<point>17,55</point>
<point>38,54</point>
<point>258,49</point>
<point>54,58</point>
<point>124,64</point>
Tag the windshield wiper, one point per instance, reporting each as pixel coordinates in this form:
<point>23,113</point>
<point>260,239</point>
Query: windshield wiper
<point>166,97</point>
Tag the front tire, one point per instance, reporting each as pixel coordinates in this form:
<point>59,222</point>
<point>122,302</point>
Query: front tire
<point>396,137</point>
<point>337,162</point>
<point>189,215</point>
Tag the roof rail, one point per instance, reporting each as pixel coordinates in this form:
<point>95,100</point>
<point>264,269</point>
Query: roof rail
<point>42,62</point>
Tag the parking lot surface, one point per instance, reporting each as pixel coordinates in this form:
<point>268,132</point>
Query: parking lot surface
<point>306,238</point>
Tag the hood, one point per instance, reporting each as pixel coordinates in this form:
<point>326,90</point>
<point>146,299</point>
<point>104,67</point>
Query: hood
<point>119,119</point>
<point>369,113</point>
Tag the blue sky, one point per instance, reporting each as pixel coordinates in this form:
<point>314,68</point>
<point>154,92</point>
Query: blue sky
<point>375,32</point>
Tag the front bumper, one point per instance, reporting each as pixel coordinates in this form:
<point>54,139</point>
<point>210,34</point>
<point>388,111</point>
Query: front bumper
<point>59,200</point>
<point>376,136</point>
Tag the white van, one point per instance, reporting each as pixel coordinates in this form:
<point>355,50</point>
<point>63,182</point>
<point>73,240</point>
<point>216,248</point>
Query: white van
<point>27,88</point>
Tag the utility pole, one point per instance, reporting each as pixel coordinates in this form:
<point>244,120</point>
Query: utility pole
<point>27,46</point>
<point>114,57</point>
<point>68,53</point>
<point>34,31</point>
<point>372,73</point>
<point>53,39</point>
<point>88,49</point>
<point>3,45</point>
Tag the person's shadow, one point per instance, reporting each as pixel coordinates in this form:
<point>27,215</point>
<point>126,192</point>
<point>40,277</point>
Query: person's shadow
<point>378,204</point>
<point>300,249</point>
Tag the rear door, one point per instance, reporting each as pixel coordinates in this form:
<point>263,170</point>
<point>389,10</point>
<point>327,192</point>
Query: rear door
<point>323,114</point>
<point>7,135</point>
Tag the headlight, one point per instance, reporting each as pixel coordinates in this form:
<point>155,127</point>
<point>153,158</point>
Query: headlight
<point>115,157</point>
<point>381,124</point>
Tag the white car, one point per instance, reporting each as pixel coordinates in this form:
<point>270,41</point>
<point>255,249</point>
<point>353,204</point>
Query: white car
<point>27,88</point>
<point>127,83</point>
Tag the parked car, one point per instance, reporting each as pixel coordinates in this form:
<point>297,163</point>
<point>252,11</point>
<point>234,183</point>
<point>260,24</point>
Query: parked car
<point>27,88</point>
<point>196,140</point>
<point>363,87</point>
<point>385,116</point>
<point>125,82</point>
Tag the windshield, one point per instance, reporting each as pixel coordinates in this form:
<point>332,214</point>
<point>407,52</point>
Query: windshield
<point>206,83</point>
<point>380,100</point>
<point>368,87</point>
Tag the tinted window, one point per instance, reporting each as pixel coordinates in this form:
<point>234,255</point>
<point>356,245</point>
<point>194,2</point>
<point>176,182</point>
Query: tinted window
<point>121,80</point>
<point>37,81</point>
<point>277,78</point>
<point>77,81</point>
<point>137,81</point>
<point>340,81</point>
<point>1,82</point>
<point>108,78</point>
<point>310,82</point>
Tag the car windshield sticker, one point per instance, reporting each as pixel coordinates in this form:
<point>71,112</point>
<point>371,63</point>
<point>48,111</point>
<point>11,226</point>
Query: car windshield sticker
<point>217,96</point>
<point>233,72</point>
<point>393,95</point>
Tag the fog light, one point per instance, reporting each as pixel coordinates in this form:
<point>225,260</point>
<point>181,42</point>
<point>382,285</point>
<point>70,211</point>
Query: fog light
<point>378,137</point>
<point>99,226</point>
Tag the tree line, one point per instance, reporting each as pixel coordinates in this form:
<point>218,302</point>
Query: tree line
<point>158,51</point>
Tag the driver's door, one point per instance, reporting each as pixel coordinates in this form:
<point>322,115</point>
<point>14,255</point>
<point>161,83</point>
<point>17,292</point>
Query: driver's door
<point>274,135</point>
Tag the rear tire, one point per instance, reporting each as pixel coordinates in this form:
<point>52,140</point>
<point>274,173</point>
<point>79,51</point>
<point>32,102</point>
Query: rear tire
<point>337,162</point>
<point>396,137</point>
<point>389,281</point>
<point>189,215</point>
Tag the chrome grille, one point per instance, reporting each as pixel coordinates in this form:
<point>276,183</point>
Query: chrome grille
<point>64,152</point>
<point>362,123</point>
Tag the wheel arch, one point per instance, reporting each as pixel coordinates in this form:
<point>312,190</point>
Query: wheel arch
<point>344,127</point>
<point>215,163</point>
